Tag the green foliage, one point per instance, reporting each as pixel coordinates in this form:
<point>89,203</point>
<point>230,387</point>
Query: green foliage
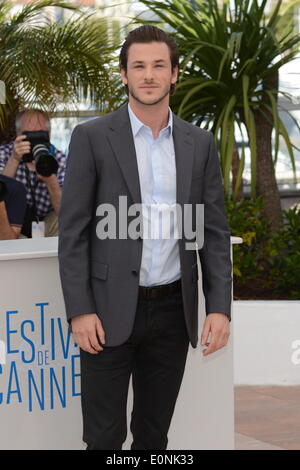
<point>230,53</point>
<point>283,252</point>
<point>46,64</point>
<point>246,220</point>
<point>272,261</point>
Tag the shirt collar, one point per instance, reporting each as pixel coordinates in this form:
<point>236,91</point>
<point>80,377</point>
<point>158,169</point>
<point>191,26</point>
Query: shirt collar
<point>136,124</point>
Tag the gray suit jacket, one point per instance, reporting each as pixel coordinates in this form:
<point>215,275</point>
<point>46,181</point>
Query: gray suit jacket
<point>102,276</point>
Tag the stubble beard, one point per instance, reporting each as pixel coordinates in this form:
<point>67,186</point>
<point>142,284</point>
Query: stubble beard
<point>147,103</point>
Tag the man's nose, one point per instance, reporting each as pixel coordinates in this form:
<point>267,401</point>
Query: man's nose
<point>148,73</point>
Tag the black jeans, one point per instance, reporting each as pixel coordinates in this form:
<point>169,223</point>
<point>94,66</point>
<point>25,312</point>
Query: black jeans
<point>155,354</point>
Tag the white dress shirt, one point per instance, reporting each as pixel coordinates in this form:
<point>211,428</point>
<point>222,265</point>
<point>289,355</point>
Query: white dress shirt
<point>157,174</point>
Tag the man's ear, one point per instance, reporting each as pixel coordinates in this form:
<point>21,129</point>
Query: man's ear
<point>124,76</point>
<point>175,74</point>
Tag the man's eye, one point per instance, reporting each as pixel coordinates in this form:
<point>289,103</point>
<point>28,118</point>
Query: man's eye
<point>140,66</point>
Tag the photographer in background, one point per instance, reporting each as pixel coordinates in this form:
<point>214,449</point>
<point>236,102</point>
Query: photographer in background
<point>12,207</point>
<point>43,193</point>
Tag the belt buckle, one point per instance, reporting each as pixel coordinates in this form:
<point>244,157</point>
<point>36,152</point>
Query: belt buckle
<point>153,292</point>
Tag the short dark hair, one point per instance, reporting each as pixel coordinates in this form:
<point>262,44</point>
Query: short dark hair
<point>146,34</point>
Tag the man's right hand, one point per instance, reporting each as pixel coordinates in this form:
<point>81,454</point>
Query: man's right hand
<point>85,328</point>
<point>20,148</point>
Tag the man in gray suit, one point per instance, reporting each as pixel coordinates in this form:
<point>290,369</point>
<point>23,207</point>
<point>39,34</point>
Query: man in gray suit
<point>132,301</point>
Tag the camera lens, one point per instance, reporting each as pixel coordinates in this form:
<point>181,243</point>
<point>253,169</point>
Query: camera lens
<point>45,163</point>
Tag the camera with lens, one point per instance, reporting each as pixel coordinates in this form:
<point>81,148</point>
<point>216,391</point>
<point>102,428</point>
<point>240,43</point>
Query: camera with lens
<point>45,162</point>
<point>3,191</point>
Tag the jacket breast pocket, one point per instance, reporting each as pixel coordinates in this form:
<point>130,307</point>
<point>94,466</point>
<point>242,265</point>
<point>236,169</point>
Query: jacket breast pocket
<point>99,270</point>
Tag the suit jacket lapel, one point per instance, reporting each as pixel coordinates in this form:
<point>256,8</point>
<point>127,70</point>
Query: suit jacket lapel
<point>122,143</point>
<point>184,155</point>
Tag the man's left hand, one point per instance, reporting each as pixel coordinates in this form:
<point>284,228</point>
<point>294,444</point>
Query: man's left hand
<point>218,325</point>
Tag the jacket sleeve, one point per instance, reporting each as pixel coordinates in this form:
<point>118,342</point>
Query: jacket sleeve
<point>74,218</point>
<point>215,254</point>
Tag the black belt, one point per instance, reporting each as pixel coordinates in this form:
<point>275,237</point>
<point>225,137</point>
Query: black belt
<point>155,292</point>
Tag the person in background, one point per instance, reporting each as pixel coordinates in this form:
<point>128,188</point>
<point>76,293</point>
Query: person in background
<point>12,208</point>
<point>43,194</point>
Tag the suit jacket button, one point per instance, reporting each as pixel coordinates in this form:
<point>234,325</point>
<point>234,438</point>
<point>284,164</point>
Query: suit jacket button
<point>134,272</point>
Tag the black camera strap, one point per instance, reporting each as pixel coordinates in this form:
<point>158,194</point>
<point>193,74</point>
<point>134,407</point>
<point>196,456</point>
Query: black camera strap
<point>35,216</point>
